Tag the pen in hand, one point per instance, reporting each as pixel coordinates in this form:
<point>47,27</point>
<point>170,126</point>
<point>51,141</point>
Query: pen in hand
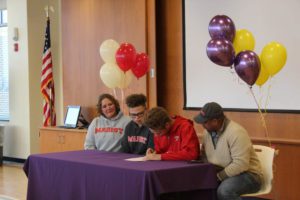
<point>150,151</point>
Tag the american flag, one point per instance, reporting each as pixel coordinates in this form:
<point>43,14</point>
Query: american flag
<point>47,82</point>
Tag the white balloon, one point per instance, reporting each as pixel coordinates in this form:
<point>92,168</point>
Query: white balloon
<point>111,75</point>
<point>108,50</point>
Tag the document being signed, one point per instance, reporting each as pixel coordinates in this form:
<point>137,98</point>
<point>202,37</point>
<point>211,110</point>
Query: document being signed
<point>137,159</point>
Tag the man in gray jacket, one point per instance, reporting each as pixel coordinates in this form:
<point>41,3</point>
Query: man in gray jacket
<point>227,145</point>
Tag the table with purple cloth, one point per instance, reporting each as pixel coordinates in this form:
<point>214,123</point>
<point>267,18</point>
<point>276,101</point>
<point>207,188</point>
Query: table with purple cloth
<point>92,174</point>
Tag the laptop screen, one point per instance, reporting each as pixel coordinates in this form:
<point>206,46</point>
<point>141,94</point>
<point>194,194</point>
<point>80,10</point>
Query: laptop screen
<point>72,116</point>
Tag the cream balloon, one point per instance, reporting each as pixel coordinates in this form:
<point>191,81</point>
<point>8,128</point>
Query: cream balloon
<point>125,80</point>
<point>111,75</point>
<point>108,49</point>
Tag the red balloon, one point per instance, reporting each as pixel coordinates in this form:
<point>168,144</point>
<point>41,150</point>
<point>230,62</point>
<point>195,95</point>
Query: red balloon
<point>247,66</point>
<point>220,52</point>
<point>141,66</point>
<point>221,27</point>
<point>125,56</point>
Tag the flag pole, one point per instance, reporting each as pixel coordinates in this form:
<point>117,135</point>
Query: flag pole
<point>47,87</point>
<point>47,8</point>
<point>47,11</point>
<point>50,103</point>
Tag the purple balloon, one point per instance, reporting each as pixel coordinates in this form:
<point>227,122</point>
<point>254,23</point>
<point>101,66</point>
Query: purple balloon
<point>220,52</point>
<point>247,66</point>
<point>221,27</point>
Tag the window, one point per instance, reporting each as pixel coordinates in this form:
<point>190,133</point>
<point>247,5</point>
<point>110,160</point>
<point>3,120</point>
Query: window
<point>4,87</point>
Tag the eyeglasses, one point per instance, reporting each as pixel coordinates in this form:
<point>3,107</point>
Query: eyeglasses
<point>139,114</point>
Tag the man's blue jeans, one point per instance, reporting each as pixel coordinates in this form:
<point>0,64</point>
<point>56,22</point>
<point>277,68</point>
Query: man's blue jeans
<point>233,187</point>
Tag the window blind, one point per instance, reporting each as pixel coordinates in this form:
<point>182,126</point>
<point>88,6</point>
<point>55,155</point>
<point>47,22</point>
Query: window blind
<point>4,81</point>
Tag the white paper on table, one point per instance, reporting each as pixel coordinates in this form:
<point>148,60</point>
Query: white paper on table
<point>137,159</point>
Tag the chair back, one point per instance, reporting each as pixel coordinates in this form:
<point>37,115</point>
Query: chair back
<point>266,156</point>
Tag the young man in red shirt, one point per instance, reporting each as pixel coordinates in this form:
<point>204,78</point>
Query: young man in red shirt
<point>174,137</point>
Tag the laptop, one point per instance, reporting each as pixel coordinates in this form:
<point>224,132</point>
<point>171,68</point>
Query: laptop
<point>71,118</point>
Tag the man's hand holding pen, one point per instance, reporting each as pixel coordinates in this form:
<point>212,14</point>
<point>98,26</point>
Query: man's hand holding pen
<point>152,155</point>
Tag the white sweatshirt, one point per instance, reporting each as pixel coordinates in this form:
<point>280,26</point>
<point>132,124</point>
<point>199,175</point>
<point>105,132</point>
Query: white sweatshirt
<point>105,134</point>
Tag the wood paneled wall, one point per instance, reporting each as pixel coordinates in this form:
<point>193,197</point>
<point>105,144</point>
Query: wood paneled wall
<point>286,168</point>
<point>284,129</point>
<point>85,25</point>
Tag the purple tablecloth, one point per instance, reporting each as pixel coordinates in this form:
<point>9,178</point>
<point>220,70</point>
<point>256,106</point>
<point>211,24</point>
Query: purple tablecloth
<point>88,175</point>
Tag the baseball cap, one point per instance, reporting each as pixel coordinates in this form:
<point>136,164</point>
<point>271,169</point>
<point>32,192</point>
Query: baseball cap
<point>211,110</point>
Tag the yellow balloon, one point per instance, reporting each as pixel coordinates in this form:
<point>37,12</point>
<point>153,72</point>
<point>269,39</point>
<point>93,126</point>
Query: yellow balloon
<point>108,49</point>
<point>110,74</point>
<point>263,76</point>
<point>273,57</point>
<point>243,40</point>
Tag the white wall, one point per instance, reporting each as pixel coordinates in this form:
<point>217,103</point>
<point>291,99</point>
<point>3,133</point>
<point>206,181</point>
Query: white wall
<point>21,133</point>
<point>16,140</point>
<point>3,4</point>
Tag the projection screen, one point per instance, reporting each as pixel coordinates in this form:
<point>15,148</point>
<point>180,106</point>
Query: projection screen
<point>267,20</point>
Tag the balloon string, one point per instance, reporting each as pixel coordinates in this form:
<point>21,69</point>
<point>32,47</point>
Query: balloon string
<point>262,118</point>
<point>233,75</point>
<point>268,94</point>
<point>115,93</point>
<point>123,80</point>
<point>261,96</point>
<point>122,93</point>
